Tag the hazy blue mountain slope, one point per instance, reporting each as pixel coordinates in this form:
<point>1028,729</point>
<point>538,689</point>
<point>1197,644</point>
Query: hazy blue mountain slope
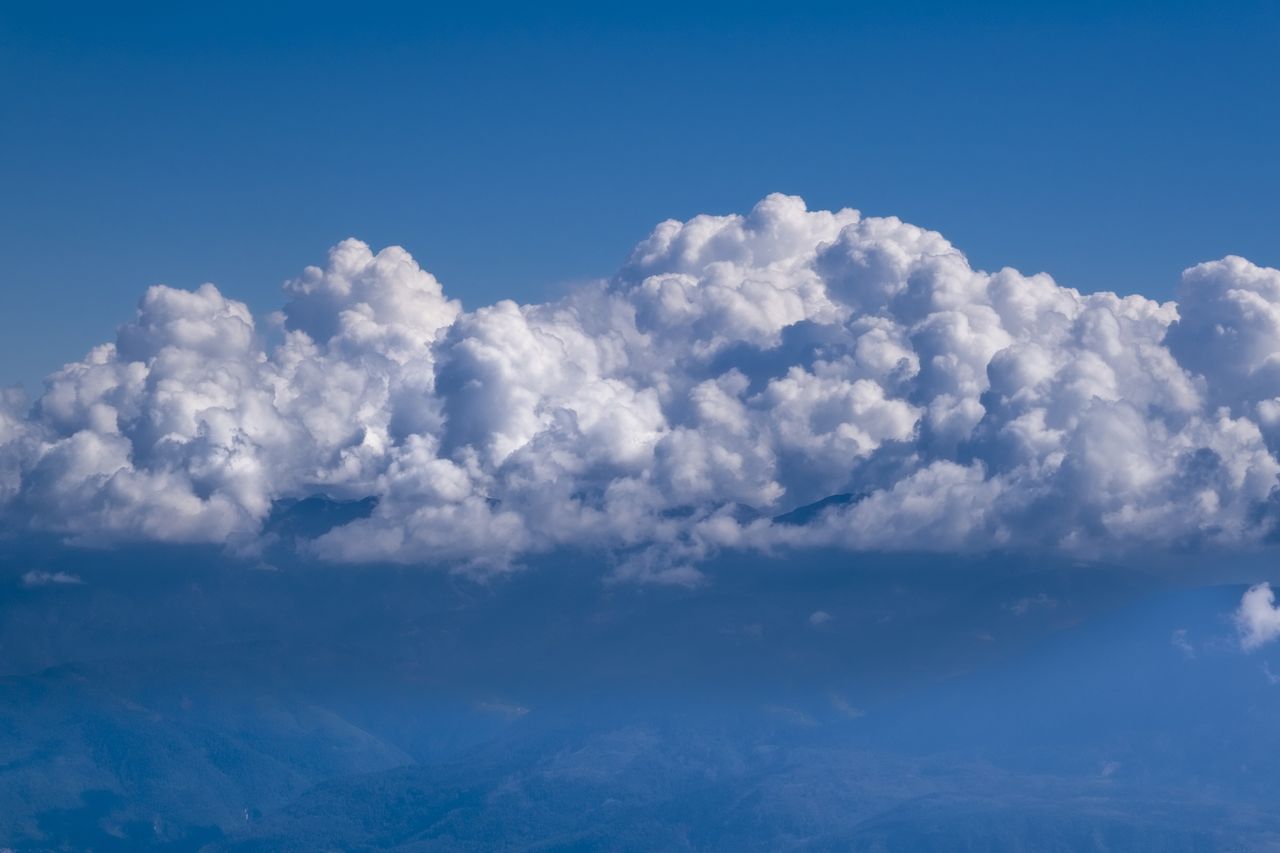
<point>1145,729</point>
<point>984,704</point>
<point>83,743</point>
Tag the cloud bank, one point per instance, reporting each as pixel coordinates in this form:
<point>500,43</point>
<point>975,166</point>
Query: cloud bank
<point>735,369</point>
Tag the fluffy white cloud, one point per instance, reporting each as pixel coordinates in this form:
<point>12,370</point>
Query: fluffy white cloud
<point>1257,617</point>
<point>735,369</point>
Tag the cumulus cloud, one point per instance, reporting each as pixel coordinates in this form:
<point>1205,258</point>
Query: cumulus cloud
<point>734,370</point>
<point>1257,617</point>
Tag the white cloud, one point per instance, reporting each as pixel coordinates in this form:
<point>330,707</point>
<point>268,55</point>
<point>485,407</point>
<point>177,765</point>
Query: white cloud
<point>1180,641</point>
<point>843,705</point>
<point>1026,604</point>
<point>818,618</point>
<point>1257,617</point>
<point>735,368</point>
<point>39,577</point>
<point>502,709</point>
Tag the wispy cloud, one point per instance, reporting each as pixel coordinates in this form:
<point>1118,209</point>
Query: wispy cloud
<point>844,707</point>
<point>1180,640</point>
<point>38,577</point>
<point>1039,601</point>
<point>1271,677</point>
<point>503,709</point>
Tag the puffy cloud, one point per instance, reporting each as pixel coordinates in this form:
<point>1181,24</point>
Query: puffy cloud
<point>735,369</point>
<point>381,305</point>
<point>1230,330</point>
<point>1257,617</point>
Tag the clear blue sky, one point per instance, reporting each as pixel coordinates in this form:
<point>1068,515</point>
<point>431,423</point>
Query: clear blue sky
<point>514,150</point>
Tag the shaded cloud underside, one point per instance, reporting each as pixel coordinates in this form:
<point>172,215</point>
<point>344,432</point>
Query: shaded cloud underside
<point>735,369</point>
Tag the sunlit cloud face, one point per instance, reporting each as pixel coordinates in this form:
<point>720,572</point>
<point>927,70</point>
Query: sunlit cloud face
<point>735,369</point>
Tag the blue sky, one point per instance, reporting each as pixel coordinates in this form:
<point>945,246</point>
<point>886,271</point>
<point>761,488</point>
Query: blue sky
<point>617,484</point>
<point>515,150</point>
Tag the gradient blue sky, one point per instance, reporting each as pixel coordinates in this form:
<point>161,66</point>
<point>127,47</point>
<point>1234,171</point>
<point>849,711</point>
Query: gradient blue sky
<point>642,566</point>
<point>514,150</point>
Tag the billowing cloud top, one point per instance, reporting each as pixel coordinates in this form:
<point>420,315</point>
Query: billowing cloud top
<point>735,369</point>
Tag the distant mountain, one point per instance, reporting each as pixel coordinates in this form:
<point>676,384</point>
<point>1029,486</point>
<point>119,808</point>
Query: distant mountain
<point>1143,730</point>
<point>801,516</point>
<point>90,756</point>
<point>309,518</point>
<point>933,707</point>
<point>646,788</point>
